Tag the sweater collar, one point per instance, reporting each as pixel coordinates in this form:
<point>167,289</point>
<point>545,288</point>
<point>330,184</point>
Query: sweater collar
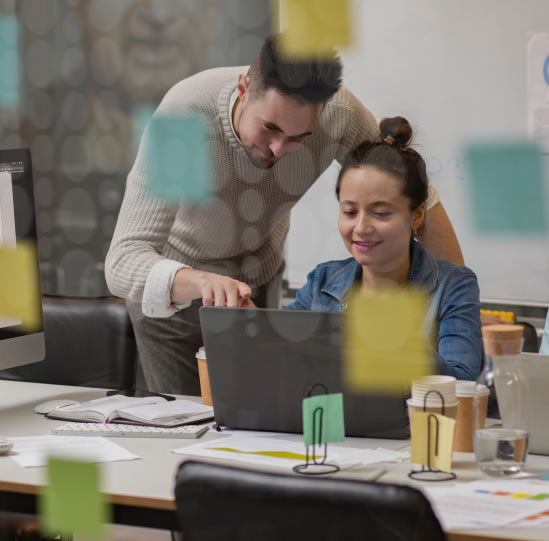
<point>423,272</point>
<point>224,115</point>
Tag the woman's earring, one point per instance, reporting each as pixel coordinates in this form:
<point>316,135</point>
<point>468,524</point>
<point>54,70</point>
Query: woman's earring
<point>415,234</point>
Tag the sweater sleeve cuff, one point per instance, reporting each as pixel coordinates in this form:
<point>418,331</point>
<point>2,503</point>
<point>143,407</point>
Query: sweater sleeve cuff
<point>156,300</point>
<point>433,197</point>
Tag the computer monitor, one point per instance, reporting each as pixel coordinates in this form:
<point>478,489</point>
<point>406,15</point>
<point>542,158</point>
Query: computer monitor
<point>18,346</point>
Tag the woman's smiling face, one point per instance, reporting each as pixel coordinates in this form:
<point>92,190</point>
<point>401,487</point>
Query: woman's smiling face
<point>375,220</point>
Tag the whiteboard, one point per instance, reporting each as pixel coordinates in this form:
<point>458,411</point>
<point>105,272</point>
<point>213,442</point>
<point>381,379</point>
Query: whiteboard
<point>456,71</point>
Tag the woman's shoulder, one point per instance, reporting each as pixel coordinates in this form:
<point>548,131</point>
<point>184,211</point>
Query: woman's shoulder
<point>328,268</point>
<point>325,272</point>
<point>453,270</point>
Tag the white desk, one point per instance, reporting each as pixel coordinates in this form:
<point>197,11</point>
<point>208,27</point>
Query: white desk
<point>141,491</point>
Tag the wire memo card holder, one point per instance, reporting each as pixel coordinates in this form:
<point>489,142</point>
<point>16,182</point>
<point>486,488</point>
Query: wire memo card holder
<point>434,430</point>
<point>322,423</point>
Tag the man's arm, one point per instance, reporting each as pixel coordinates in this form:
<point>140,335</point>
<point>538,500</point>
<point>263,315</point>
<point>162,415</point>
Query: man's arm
<point>438,236</point>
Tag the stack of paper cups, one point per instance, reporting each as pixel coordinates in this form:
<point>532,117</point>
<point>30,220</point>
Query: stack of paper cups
<point>435,394</point>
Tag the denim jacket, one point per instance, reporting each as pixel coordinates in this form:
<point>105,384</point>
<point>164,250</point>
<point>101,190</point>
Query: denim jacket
<point>453,312</point>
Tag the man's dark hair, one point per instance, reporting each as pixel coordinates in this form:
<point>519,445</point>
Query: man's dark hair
<point>308,81</point>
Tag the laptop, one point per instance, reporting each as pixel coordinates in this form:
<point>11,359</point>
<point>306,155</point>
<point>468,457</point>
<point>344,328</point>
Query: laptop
<point>262,362</point>
<point>535,379</point>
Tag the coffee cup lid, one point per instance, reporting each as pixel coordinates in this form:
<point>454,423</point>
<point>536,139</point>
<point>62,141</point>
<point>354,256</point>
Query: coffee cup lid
<point>471,388</point>
<point>430,403</point>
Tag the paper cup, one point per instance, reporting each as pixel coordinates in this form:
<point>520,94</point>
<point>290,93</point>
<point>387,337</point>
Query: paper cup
<point>205,390</point>
<point>433,390</point>
<point>450,410</point>
<point>465,391</point>
<point>502,339</point>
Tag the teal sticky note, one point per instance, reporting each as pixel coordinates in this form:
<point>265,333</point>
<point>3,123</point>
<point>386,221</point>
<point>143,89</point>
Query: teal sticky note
<point>9,61</point>
<point>329,425</point>
<point>507,188</point>
<point>544,476</point>
<point>178,159</point>
<point>72,502</point>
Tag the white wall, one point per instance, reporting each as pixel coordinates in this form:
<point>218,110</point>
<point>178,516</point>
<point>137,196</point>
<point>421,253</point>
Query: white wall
<point>456,70</point>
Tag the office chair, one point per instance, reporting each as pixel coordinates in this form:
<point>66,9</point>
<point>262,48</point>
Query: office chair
<point>89,342</point>
<point>530,335</point>
<point>216,502</point>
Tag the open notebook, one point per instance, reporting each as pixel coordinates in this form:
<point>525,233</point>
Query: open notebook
<point>150,410</point>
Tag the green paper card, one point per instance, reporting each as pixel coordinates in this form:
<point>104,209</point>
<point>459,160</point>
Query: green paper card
<point>178,159</point>
<point>507,187</point>
<point>332,428</point>
<point>71,502</point>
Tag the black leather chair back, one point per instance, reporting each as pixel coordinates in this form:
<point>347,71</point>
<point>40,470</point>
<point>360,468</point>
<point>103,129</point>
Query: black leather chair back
<point>89,342</point>
<point>224,503</point>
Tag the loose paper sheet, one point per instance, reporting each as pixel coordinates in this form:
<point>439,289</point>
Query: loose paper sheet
<point>491,504</point>
<point>284,453</point>
<point>33,451</point>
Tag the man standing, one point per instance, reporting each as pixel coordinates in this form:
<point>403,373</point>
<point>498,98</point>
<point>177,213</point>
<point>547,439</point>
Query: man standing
<point>274,129</point>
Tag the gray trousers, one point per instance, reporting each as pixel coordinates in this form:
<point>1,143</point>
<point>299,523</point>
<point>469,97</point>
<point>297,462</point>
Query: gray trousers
<point>167,346</point>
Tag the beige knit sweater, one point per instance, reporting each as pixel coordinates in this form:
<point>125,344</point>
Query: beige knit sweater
<point>241,232</point>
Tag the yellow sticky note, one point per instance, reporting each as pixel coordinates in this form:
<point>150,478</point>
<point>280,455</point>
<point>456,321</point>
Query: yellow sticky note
<point>386,344</point>
<point>20,296</point>
<point>439,455</point>
<point>313,27</point>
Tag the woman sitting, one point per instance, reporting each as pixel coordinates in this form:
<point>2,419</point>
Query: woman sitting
<point>382,189</point>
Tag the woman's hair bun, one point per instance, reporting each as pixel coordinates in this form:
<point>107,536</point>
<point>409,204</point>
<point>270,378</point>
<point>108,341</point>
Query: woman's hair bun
<point>397,128</point>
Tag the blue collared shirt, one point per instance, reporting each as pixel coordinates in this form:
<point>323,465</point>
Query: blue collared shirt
<point>453,312</point>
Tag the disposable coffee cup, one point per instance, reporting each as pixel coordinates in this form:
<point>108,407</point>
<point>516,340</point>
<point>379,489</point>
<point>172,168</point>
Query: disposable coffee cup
<point>502,339</point>
<point>205,390</point>
<point>450,410</point>
<point>465,424</point>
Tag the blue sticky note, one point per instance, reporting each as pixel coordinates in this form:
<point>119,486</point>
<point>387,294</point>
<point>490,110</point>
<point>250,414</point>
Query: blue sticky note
<point>9,61</point>
<point>507,188</point>
<point>544,476</point>
<point>323,415</point>
<point>178,159</point>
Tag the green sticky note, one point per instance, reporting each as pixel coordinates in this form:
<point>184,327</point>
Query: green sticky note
<point>9,61</point>
<point>506,187</point>
<point>71,502</point>
<point>178,159</point>
<point>328,422</point>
